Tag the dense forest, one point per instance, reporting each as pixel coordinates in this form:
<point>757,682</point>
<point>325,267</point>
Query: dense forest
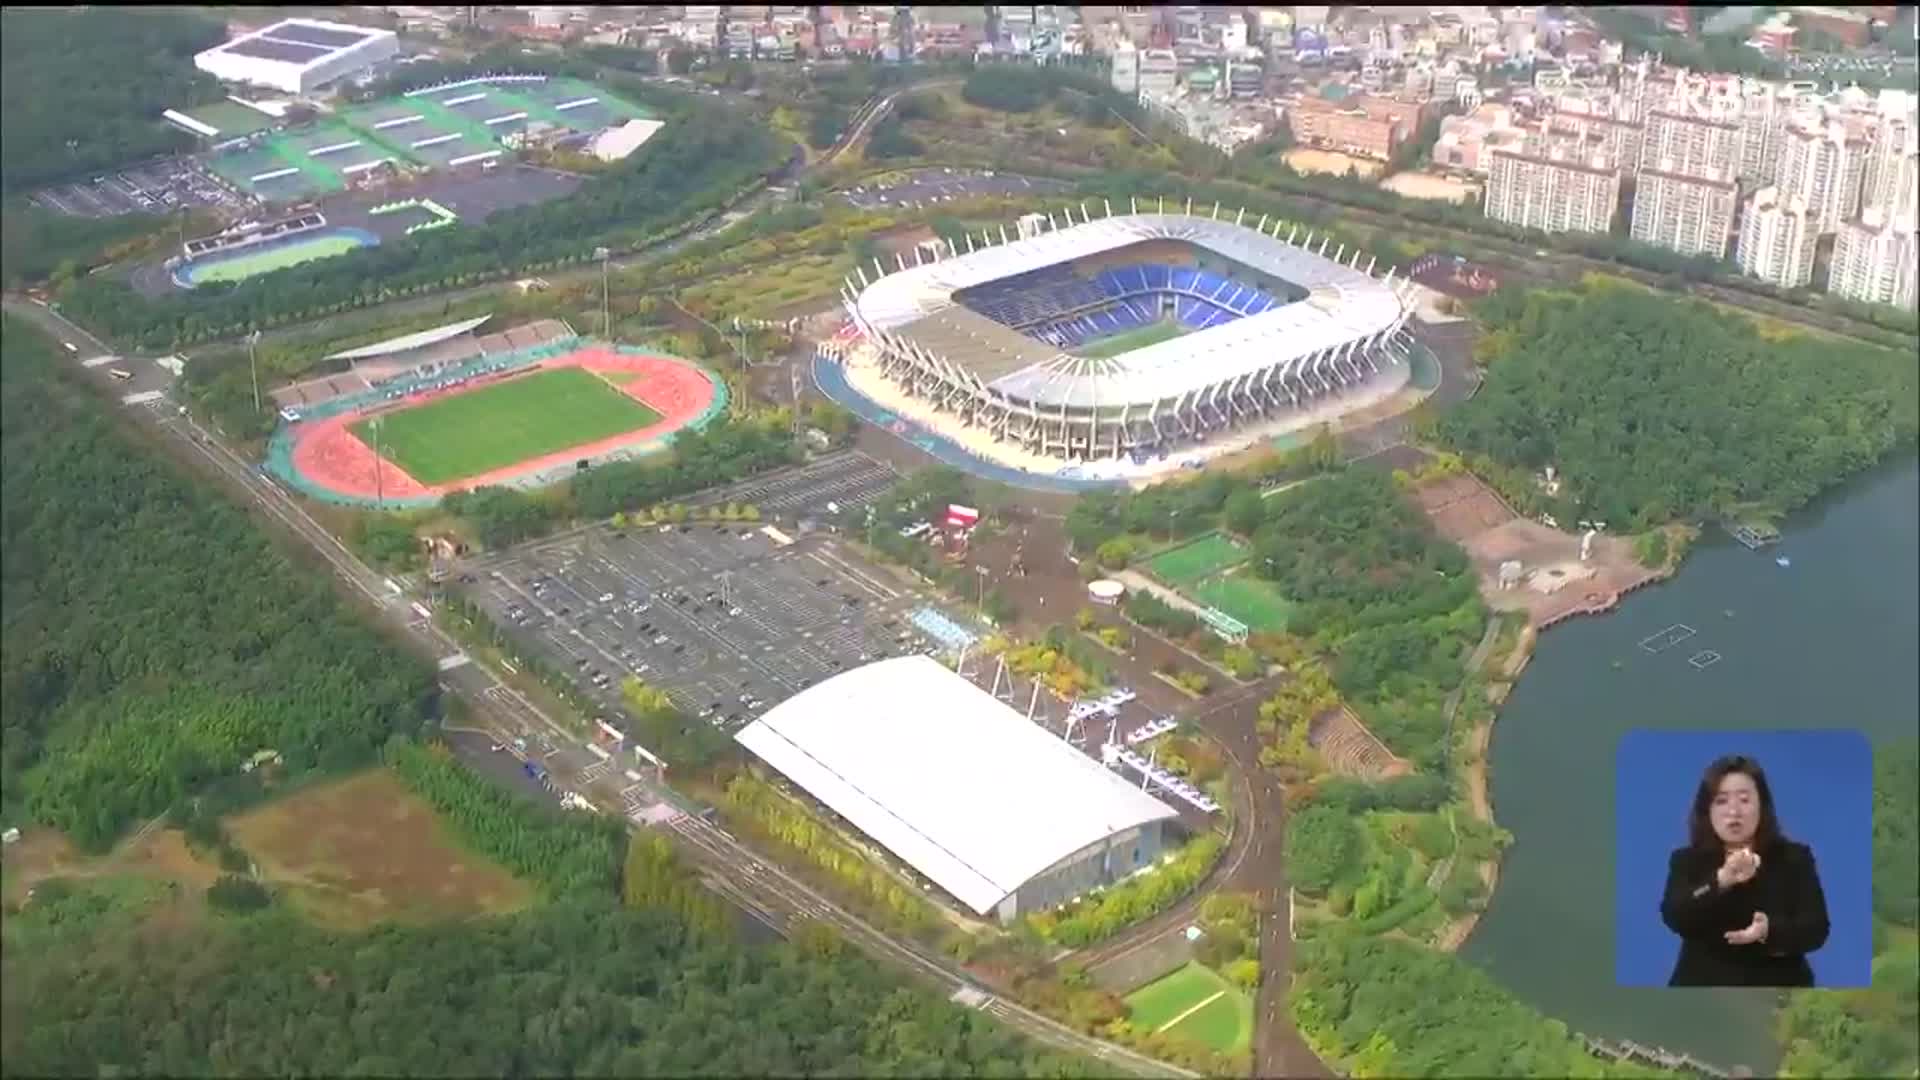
<point>117,976</point>
<point>1653,409</point>
<point>1386,1007</point>
<point>1873,1032</point>
<point>82,88</point>
<point>153,639</point>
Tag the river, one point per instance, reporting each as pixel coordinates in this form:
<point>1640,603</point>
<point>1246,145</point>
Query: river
<point>1827,643</point>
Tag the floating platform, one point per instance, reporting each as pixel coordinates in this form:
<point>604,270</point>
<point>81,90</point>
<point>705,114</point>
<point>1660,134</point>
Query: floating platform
<point>1706,658</point>
<point>1668,638</point>
<point>1753,539</point>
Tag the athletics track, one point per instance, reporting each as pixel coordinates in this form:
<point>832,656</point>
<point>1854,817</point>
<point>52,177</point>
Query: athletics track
<point>332,463</point>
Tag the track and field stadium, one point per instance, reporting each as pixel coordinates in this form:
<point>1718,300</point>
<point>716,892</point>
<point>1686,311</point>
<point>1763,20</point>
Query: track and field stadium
<point>520,416</point>
<point>1111,344</point>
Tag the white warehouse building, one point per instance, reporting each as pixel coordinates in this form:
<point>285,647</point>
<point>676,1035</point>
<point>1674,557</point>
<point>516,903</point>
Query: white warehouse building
<point>297,56</point>
<point>1004,817</point>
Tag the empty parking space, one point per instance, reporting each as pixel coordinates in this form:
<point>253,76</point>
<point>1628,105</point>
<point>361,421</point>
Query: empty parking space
<point>725,620</point>
<point>844,480</point>
<point>925,187</point>
<point>151,187</point>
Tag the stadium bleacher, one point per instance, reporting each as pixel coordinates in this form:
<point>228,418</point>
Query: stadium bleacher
<point>936,625</point>
<point>1065,310</point>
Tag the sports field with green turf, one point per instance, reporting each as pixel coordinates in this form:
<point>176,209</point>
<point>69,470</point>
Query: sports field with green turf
<point>1198,558</point>
<point>496,426</point>
<point>1194,1003</point>
<point>1164,330</point>
<point>278,257</point>
<point>1250,599</point>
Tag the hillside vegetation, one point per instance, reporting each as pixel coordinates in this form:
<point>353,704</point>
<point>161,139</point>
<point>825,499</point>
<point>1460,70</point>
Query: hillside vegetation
<point>1653,409</point>
<point>153,639</point>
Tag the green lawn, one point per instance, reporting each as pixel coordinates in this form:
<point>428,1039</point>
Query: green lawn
<point>496,426</point>
<point>1198,558</point>
<point>292,253</point>
<point>1165,330</point>
<point>1224,1024</point>
<point>1252,600</point>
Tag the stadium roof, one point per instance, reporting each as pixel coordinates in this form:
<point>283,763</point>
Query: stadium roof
<point>1344,304</point>
<point>954,782</point>
<point>418,340</point>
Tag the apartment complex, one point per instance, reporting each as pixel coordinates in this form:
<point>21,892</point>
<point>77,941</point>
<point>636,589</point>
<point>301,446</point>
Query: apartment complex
<point>1876,260</point>
<point>1777,240</point>
<point>1688,214</point>
<point>1552,191</point>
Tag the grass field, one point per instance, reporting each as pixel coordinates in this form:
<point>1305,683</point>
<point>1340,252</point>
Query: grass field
<point>1198,558</point>
<point>490,428</point>
<point>361,850</point>
<point>278,257</point>
<point>1249,599</point>
<point>1165,330</point>
<point>1194,1003</point>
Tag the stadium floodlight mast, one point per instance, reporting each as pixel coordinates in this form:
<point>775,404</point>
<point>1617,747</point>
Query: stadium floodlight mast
<point>606,308</point>
<point>253,366</point>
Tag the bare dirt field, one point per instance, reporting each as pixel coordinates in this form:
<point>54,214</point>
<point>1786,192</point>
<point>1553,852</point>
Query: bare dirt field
<point>1307,160</point>
<point>1420,185</point>
<point>1555,583</point>
<point>365,849</point>
<point>160,854</point>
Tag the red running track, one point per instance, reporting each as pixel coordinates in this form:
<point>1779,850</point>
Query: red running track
<point>330,455</point>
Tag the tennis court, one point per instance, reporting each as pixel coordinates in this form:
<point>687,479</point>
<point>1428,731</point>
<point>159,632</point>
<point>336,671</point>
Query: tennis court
<point>1196,1004</point>
<point>260,170</point>
<point>335,147</point>
<point>1201,557</point>
<point>477,431</point>
<point>1252,600</point>
<point>605,111</point>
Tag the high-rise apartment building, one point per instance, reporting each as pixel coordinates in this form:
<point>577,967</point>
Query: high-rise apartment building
<point>1688,214</point>
<point>1555,191</point>
<point>1675,142</point>
<point>1876,260</point>
<point>1820,169</point>
<point>1776,240</point>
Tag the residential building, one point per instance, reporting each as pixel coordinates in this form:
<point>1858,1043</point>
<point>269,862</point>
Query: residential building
<point>1159,73</point>
<point>1890,182</point>
<point>1365,124</point>
<point>1820,170</point>
<point>1466,143</point>
<point>1623,140</point>
<point>1777,239</point>
<point>1553,192</point>
<point>1876,260</point>
<point>1689,145</point>
<point>1126,69</point>
<point>1688,214</point>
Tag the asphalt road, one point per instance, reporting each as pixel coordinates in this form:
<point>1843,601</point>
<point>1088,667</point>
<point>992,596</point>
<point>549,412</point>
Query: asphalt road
<point>740,875</point>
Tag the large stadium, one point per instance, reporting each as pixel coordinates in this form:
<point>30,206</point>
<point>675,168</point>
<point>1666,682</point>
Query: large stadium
<point>1108,344</point>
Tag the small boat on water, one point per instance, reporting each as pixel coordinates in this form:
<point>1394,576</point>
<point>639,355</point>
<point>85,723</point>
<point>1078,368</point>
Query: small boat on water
<point>1783,562</point>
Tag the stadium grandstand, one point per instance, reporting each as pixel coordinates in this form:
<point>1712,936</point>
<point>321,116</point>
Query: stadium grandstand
<point>297,56</point>
<point>249,233</point>
<point>1129,335</point>
<point>411,359</point>
<point>989,807</point>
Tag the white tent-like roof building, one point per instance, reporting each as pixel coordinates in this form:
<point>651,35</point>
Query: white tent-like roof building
<point>1002,815</point>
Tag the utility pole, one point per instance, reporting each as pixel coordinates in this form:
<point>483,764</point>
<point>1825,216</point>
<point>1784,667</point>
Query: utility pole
<point>606,308</point>
<point>981,603</point>
<point>379,474</point>
<point>253,366</point>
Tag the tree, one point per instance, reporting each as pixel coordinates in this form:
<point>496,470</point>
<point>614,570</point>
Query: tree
<point>1320,845</point>
<point>1245,510</point>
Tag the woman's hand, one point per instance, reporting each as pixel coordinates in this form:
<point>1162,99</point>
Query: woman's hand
<point>1756,931</point>
<point>1737,869</point>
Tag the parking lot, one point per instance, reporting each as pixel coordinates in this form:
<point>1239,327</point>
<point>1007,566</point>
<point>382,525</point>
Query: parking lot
<point>846,480</point>
<point>155,186</point>
<point>725,619</point>
<point>925,187</point>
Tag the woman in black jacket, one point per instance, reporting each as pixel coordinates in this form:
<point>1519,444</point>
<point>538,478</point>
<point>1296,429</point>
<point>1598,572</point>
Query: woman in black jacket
<point>1745,900</point>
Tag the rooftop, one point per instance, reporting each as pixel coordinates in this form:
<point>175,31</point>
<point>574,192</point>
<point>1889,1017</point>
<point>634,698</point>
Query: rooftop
<point>954,782</point>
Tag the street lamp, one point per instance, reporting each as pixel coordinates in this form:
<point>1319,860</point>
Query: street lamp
<point>606,309</point>
<point>982,601</point>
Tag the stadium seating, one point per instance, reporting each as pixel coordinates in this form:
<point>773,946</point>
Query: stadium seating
<point>1062,309</point>
<point>936,625</point>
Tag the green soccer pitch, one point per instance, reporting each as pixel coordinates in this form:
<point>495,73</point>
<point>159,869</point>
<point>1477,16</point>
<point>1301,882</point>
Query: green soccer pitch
<point>1165,330</point>
<point>482,430</point>
<point>1194,1003</point>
